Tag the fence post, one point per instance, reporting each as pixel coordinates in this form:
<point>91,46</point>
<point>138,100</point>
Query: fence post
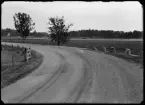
<point>141,54</point>
<point>28,53</point>
<point>105,50</point>
<point>128,51</point>
<point>95,49</point>
<point>114,50</point>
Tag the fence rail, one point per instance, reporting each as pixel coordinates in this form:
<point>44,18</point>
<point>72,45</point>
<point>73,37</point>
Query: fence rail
<point>26,51</point>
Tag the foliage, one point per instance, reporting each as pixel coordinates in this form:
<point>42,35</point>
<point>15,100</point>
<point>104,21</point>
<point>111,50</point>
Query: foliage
<point>85,33</point>
<point>58,30</point>
<point>106,34</point>
<point>23,24</point>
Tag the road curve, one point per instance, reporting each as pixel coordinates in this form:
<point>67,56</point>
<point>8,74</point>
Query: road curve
<point>78,76</point>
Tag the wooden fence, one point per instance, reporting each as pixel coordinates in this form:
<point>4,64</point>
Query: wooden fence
<point>112,49</point>
<point>25,50</point>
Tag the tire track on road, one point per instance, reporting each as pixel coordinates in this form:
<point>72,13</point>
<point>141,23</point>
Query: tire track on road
<point>72,66</point>
<point>87,80</point>
<point>133,85</point>
<point>56,75</point>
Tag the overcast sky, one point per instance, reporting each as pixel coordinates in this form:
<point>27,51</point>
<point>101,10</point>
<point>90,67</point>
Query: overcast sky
<point>117,16</point>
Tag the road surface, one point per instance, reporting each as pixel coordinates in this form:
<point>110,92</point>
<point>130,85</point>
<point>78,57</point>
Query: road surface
<point>70,74</point>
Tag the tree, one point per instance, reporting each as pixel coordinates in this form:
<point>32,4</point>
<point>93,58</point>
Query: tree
<point>58,30</point>
<point>23,24</point>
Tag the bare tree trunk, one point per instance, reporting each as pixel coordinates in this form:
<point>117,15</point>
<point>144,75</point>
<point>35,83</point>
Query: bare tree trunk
<point>58,41</point>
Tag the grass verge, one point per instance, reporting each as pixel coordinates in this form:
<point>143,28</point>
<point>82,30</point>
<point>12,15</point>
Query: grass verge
<point>10,75</point>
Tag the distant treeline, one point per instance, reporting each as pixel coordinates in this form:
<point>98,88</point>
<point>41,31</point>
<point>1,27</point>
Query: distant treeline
<point>106,34</point>
<point>4,32</point>
<point>84,34</point>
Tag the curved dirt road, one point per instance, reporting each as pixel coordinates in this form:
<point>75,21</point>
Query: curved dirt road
<point>69,74</point>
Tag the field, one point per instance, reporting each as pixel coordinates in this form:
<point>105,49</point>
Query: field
<point>11,73</point>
